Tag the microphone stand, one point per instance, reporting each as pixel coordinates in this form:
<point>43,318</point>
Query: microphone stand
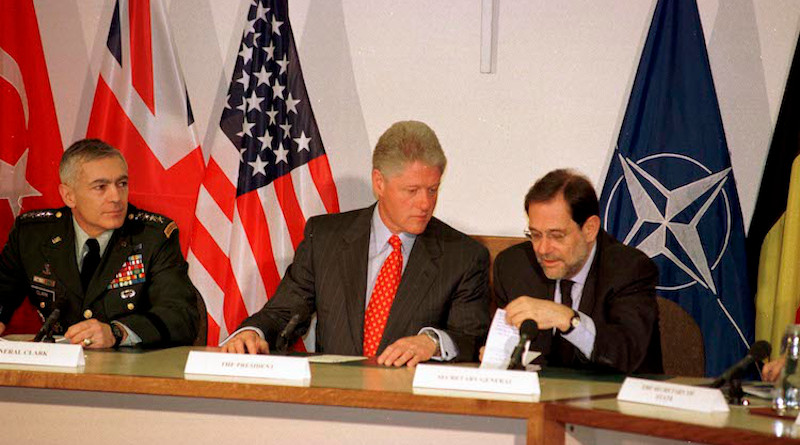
<point>283,340</point>
<point>730,382</point>
<point>735,393</point>
<point>48,338</point>
<point>527,332</point>
<point>732,389</point>
<point>281,346</point>
<point>516,359</point>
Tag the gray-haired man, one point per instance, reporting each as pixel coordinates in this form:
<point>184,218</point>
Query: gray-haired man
<point>389,280</point>
<point>115,273</point>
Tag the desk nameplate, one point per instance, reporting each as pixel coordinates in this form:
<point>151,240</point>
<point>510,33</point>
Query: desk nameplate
<point>476,379</point>
<point>269,367</point>
<point>41,354</point>
<point>673,395</point>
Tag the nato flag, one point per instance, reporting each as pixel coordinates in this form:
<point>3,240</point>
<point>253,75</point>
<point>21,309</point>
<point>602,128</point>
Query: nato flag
<point>670,190</point>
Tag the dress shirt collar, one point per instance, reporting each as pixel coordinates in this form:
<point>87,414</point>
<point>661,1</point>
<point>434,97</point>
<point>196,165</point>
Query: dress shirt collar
<point>580,277</point>
<point>80,240</point>
<point>380,234</point>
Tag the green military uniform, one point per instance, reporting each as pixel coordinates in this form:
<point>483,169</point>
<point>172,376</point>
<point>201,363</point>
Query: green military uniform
<point>141,280</point>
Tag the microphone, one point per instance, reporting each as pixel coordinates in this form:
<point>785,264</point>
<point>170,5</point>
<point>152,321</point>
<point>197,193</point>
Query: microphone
<point>288,331</point>
<point>527,331</point>
<point>758,352</point>
<point>48,325</point>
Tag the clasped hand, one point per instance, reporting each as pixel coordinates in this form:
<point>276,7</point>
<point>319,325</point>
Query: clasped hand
<point>91,333</point>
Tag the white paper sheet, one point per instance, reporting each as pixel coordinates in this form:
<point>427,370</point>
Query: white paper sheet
<point>503,337</point>
<point>331,358</point>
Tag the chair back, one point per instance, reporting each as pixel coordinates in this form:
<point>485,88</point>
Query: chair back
<point>202,322</point>
<point>682,348</point>
<point>495,245</point>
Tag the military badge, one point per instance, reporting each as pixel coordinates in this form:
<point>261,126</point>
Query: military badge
<point>131,272</point>
<point>149,217</point>
<point>127,293</point>
<point>170,228</point>
<point>40,215</point>
<point>44,281</point>
<point>43,292</point>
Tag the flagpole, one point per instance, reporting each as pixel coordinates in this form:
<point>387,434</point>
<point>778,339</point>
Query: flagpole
<point>487,30</point>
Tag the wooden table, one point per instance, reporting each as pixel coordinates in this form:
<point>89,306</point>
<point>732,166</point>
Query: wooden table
<point>736,427</point>
<point>129,396</point>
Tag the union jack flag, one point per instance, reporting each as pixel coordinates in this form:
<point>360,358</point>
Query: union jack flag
<point>141,107</point>
<point>268,172</point>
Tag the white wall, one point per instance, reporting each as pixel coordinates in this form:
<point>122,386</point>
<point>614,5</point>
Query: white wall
<point>563,72</point>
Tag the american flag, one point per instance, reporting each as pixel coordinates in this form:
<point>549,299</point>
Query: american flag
<point>268,172</point>
<point>142,108</point>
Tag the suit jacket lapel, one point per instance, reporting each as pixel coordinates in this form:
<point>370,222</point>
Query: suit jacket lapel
<point>591,287</point>
<point>352,262</point>
<point>420,272</point>
<point>59,251</point>
<point>119,247</point>
<point>545,338</point>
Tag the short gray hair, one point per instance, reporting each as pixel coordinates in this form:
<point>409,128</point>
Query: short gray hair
<point>82,151</point>
<point>404,143</point>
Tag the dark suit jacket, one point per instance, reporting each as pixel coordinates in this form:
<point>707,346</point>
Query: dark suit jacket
<point>444,286</point>
<point>39,261</point>
<point>619,295</point>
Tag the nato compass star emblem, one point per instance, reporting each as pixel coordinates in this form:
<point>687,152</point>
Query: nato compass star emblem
<point>671,223</point>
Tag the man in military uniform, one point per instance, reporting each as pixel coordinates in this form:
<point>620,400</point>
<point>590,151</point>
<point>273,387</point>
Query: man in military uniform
<point>116,273</point>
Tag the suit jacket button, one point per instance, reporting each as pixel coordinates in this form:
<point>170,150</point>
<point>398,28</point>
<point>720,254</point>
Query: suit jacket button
<point>87,314</point>
<point>131,306</point>
<point>42,305</point>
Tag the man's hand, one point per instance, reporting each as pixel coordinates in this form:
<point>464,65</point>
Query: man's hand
<point>408,351</point>
<point>246,342</point>
<point>547,314</point>
<point>772,370</point>
<point>91,334</point>
<point>2,328</point>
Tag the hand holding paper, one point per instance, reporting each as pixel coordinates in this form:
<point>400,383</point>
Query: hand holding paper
<point>503,337</point>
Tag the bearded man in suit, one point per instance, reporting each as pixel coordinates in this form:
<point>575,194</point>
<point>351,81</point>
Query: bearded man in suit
<point>390,280</point>
<point>593,297</point>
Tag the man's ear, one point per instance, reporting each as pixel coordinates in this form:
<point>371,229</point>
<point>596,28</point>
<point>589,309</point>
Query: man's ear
<point>67,195</point>
<point>378,183</point>
<point>591,227</point>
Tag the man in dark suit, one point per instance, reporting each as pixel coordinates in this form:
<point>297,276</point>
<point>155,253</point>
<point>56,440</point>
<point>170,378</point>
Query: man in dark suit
<point>116,273</point>
<point>390,280</point>
<point>593,298</point>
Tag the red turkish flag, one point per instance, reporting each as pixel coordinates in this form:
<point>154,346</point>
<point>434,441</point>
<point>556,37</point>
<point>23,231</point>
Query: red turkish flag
<point>30,142</point>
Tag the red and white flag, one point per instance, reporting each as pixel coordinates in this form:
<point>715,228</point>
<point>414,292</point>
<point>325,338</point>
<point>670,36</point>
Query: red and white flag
<point>141,107</point>
<point>267,174</point>
<point>30,142</point>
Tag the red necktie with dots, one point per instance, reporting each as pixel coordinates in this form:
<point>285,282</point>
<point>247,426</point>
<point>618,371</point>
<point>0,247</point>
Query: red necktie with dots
<point>382,296</point>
